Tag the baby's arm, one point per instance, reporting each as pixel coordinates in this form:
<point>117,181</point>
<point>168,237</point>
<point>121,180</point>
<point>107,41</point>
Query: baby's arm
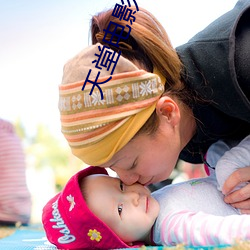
<point>201,229</point>
<point>214,153</point>
<point>237,157</point>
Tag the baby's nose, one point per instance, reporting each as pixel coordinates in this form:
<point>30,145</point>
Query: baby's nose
<point>133,197</point>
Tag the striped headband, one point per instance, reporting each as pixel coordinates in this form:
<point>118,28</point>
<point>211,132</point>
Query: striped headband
<point>97,128</point>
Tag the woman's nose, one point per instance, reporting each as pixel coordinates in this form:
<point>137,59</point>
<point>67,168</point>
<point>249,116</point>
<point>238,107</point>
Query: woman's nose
<point>126,177</point>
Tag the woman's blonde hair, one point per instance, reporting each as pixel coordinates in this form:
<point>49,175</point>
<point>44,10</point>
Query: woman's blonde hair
<point>148,45</point>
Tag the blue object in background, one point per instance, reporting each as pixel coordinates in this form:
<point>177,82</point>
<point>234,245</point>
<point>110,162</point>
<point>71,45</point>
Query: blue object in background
<point>33,238</point>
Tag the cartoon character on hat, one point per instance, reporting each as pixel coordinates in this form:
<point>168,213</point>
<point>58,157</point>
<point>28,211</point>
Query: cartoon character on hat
<point>70,224</point>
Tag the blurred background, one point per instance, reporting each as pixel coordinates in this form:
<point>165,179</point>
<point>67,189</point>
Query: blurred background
<point>36,39</point>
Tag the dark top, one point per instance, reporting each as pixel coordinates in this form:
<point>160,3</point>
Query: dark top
<point>217,67</point>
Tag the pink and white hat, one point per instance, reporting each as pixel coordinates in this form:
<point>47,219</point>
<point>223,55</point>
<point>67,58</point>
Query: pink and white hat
<point>69,223</point>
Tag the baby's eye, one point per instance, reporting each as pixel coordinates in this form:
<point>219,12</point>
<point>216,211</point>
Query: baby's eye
<point>120,206</point>
<point>121,186</point>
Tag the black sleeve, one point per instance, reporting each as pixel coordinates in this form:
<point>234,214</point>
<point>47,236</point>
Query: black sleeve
<point>217,66</point>
<point>212,65</point>
<point>242,53</point>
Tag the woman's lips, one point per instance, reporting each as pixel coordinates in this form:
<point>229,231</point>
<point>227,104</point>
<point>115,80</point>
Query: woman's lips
<point>147,203</point>
<point>148,183</point>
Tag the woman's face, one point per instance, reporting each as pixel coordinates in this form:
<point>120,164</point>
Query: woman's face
<point>147,159</point>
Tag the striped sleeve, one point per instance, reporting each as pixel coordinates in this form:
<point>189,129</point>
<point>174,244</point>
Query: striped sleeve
<point>15,200</point>
<point>201,229</point>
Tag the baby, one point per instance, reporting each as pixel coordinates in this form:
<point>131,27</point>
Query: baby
<point>96,211</point>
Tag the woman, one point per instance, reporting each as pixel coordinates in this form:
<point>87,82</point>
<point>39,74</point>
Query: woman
<point>139,124</point>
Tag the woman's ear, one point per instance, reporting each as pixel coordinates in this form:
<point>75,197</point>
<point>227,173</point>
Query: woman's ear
<point>168,110</point>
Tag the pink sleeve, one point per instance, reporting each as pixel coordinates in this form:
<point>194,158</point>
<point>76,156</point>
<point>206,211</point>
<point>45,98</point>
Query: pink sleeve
<point>201,229</point>
<point>15,200</point>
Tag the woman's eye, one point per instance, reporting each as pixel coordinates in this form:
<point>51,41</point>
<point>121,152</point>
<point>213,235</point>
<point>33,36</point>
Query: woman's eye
<point>121,186</point>
<point>120,206</point>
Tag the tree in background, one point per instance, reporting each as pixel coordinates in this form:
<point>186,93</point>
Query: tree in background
<point>44,150</point>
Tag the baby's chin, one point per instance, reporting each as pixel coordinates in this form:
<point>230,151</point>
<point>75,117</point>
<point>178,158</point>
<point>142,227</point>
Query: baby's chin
<point>153,209</point>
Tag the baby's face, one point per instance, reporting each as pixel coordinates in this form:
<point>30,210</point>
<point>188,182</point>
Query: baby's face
<point>130,211</point>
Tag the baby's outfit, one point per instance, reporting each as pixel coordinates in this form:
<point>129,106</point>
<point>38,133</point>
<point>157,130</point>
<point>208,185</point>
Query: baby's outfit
<point>194,212</point>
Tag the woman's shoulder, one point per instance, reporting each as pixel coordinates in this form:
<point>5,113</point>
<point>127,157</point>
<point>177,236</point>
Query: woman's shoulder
<point>209,65</point>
